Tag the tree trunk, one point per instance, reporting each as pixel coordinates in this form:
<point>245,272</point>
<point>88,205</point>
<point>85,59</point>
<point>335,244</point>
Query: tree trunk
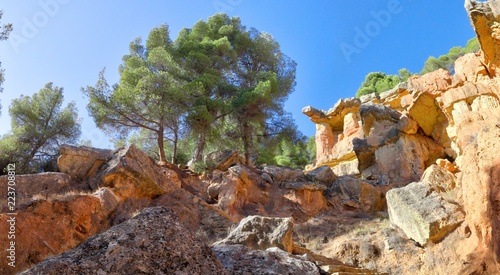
<point>161,146</point>
<point>174,150</point>
<point>200,147</point>
<point>246,142</point>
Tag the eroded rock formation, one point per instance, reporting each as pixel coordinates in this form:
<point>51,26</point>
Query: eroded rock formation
<point>408,176</point>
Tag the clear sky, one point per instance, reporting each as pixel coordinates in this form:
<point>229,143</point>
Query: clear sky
<point>335,42</point>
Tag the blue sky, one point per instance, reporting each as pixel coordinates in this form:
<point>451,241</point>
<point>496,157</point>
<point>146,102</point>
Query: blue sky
<point>335,43</point>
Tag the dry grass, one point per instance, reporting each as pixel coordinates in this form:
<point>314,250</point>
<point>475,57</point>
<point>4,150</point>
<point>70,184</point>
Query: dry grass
<point>320,232</point>
<point>60,197</point>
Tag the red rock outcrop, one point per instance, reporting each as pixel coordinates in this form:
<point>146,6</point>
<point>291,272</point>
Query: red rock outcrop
<point>446,125</point>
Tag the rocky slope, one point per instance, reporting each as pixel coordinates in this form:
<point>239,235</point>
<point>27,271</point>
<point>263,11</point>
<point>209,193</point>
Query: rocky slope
<point>439,136</point>
<point>407,182</point>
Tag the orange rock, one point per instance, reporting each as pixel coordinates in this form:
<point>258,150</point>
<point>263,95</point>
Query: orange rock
<point>470,68</point>
<point>446,164</point>
<point>433,83</point>
<point>48,228</point>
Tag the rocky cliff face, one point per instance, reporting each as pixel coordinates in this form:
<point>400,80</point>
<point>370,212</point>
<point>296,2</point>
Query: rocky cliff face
<point>409,176</point>
<point>441,133</point>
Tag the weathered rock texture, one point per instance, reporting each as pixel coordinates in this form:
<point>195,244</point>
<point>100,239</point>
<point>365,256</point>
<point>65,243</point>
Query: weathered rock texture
<point>274,191</point>
<point>422,213</point>
<point>239,259</point>
<point>130,172</point>
<point>81,162</point>
<point>48,228</point>
<point>408,176</point>
<point>262,233</point>
<point>153,242</point>
<point>484,16</point>
<point>447,125</point>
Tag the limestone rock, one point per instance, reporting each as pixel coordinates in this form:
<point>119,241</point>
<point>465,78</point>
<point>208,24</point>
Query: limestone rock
<point>433,83</point>
<point>152,242</point>
<point>283,174</point>
<point>407,125</point>
<point>334,147</point>
<point>222,160</point>
<point>322,174</point>
<point>470,68</point>
<point>239,259</point>
<point>403,161</point>
<point>109,201</point>
<point>397,98</point>
<point>261,233</point>
<point>373,97</point>
<point>484,19</point>
<point>429,116</point>
<point>130,172</point>
<point>439,177</point>
<point>480,189</point>
<point>316,116</point>
<point>371,198</point>
<point>81,162</point>
<point>337,113</point>
<point>243,191</point>
<point>358,193</point>
<point>371,113</point>
<point>421,213</point>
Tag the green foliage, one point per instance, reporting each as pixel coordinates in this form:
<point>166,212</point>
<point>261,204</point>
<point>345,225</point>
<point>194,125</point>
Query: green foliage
<point>151,95</point>
<point>292,154</point>
<point>447,61</point>
<point>378,82</point>
<point>39,127</point>
<point>216,81</point>
<point>311,149</point>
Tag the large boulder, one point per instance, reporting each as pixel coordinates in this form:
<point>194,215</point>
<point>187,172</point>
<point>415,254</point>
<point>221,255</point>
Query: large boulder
<point>152,242</point>
<point>49,227</point>
<point>239,259</point>
<point>283,174</point>
<point>422,213</point>
<point>439,177</point>
<point>322,174</point>
<point>132,173</point>
<point>259,232</point>
<point>222,160</point>
<point>81,162</point>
